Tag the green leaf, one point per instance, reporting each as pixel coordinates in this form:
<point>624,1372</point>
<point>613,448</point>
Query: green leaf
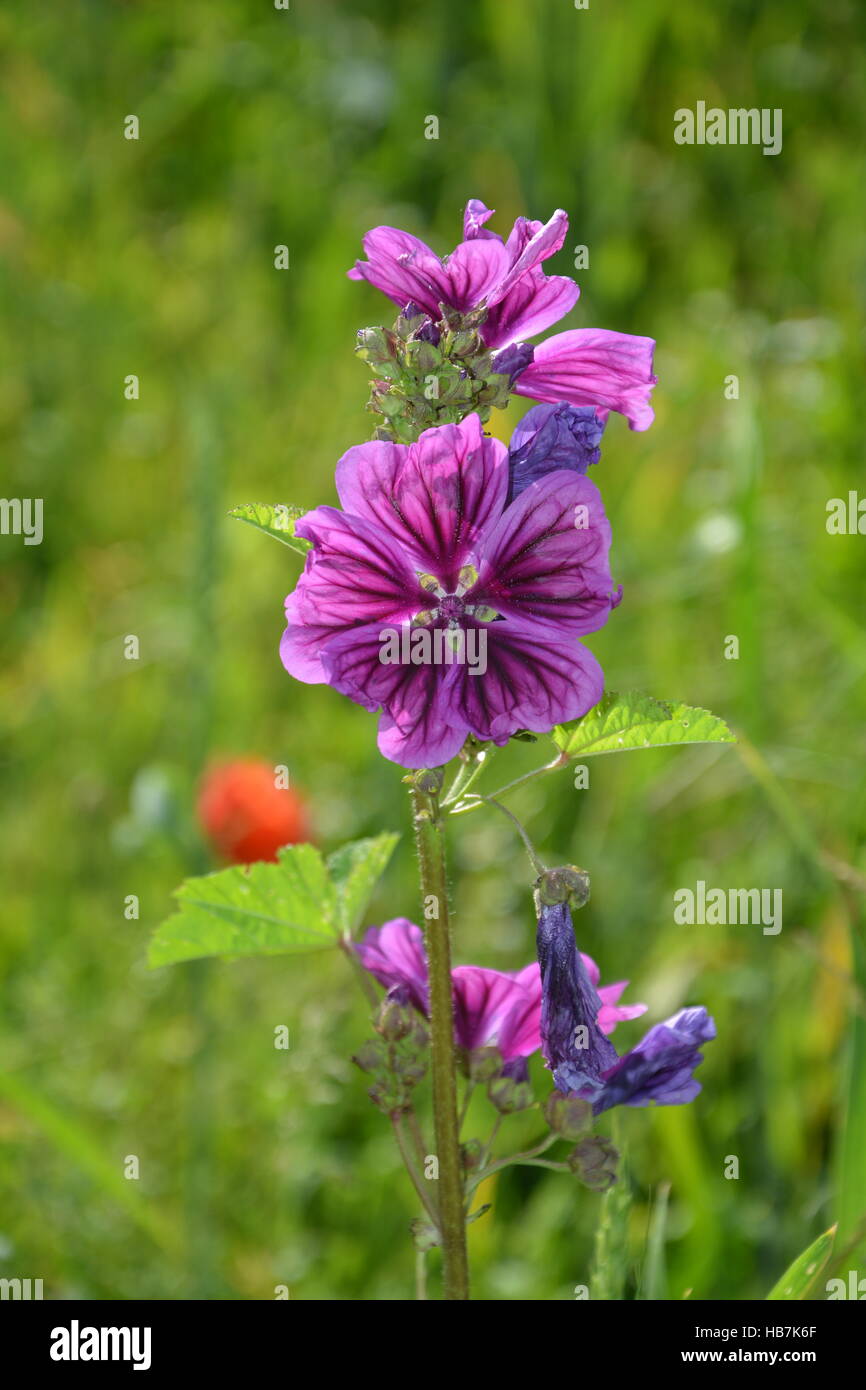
<point>298,904</point>
<point>799,1277</point>
<point>355,870</point>
<point>620,723</point>
<point>274,520</point>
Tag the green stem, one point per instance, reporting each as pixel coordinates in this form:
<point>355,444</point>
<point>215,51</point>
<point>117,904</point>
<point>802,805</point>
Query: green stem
<point>467,773</point>
<point>534,860</point>
<point>421,1275</point>
<point>472,805</point>
<point>430,841</point>
<point>417,1180</point>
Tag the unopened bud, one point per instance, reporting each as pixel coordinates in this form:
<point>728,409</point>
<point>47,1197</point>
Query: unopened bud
<point>508,1096</point>
<point>566,885</point>
<point>372,1056</point>
<point>594,1161</point>
<point>484,1063</point>
<point>568,1115</point>
<point>394,1020</point>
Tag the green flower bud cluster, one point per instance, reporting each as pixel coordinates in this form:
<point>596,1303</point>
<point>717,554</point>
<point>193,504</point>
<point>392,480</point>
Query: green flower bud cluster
<point>427,374</point>
<point>594,1160</point>
<point>397,1059</point>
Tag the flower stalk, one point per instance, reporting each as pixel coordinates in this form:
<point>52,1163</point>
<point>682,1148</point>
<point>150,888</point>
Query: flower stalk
<point>430,842</point>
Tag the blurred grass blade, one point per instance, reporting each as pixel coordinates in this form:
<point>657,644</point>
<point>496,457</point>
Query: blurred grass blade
<point>850,1182</point>
<point>799,1277</point>
<point>654,1280</point>
<point>74,1141</point>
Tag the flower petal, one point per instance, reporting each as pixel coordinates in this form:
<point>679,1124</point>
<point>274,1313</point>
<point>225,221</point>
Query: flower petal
<point>474,217</point>
<point>591,366</point>
<point>531,305</point>
<point>574,1047</point>
<point>436,497</point>
<point>660,1067</point>
<point>547,558</point>
<point>532,243</point>
<point>492,1009</point>
<point>352,576</point>
<point>404,268</point>
<point>394,955</point>
<point>553,436</point>
<point>473,268</point>
<point>535,677</point>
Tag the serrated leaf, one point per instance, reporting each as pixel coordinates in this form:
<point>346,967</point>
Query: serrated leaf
<point>355,869</point>
<point>621,723</point>
<point>275,520</point>
<point>799,1277</point>
<point>265,909</point>
<point>298,904</point>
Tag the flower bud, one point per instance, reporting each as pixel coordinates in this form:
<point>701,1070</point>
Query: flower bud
<point>394,1020</point>
<point>376,346</point>
<point>372,1057</point>
<point>508,1096</point>
<point>471,1154</point>
<point>565,885</point>
<point>594,1161</point>
<point>484,1063</point>
<point>429,780</point>
<point>568,1115</point>
<point>389,1095</point>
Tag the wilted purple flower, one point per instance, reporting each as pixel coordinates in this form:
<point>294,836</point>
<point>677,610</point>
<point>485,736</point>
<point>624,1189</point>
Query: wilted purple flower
<point>428,598</point>
<point>554,436</point>
<point>491,1009</point>
<point>589,366</point>
<point>660,1068</point>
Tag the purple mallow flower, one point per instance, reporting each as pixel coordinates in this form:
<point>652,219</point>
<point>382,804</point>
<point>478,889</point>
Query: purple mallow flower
<point>589,366</point>
<point>430,599</point>
<point>554,436</point>
<point>491,1008</point>
<point>660,1068</point>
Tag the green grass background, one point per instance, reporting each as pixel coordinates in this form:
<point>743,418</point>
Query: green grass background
<point>304,128</point>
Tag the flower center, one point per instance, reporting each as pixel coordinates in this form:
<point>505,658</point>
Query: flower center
<point>451,608</point>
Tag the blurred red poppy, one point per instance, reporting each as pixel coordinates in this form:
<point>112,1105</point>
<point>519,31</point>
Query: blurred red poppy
<point>246,815</point>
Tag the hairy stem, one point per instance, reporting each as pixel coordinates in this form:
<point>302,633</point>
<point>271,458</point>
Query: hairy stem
<point>430,840</point>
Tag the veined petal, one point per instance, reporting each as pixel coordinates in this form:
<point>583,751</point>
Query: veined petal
<point>535,677</point>
<point>354,575</point>
<point>547,557</point>
<point>492,1009</point>
<point>533,244</point>
<point>474,217</point>
<point>473,268</point>
<point>394,955</point>
<point>532,304</point>
<point>437,497</point>
<point>591,366</point>
<point>404,268</point>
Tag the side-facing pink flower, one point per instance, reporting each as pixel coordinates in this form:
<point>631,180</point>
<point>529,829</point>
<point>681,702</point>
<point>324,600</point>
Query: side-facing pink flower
<point>506,276</point>
<point>491,1008</point>
<point>588,366</point>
